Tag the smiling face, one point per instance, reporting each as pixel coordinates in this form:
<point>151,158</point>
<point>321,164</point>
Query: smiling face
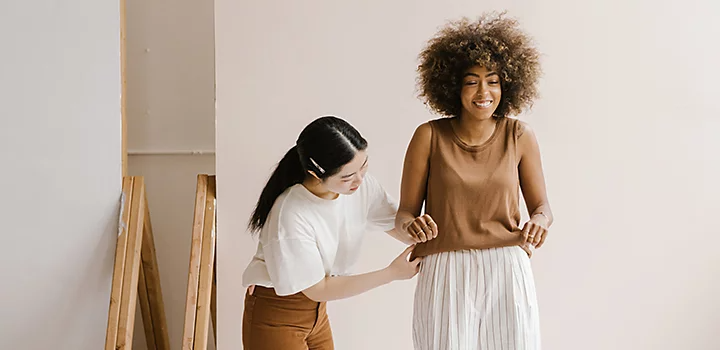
<point>481,93</point>
<point>350,176</point>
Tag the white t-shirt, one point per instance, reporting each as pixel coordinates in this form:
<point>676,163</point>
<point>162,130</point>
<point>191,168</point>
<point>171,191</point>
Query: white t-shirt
<point>307,238</point>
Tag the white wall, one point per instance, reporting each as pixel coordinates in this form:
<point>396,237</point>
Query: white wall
<point>627,125</point>
<point>171,75</point>
<point>171,108</point>
<point>60,153</point>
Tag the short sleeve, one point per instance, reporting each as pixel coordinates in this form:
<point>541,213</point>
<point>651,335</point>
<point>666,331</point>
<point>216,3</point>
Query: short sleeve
<point>293,259</point>
<point>383,207</point>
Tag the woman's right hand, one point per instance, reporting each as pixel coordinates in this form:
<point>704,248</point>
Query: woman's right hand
<point>403,269</point>
<point>422,229</point>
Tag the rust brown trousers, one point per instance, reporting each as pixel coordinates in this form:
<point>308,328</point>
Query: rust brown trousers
<point>293,322</point>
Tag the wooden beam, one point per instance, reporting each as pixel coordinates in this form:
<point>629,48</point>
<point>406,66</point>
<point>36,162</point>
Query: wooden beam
<point>119,268</point>
<point>145,307</point>
<point>195,257</point>
<point>213,299</point>
<point>136,277</point>
<point>155,320</point>
<point>128,303</point>
<point>206,270</point>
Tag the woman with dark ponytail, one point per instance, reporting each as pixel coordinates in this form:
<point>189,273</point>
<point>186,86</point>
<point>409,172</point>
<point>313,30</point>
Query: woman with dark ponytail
<point>311,217</point>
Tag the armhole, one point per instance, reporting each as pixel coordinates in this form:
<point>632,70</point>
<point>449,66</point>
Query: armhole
<point>433,140</point>
<point>517,133</point>
<point>434,134</point>
<point>516,125</point>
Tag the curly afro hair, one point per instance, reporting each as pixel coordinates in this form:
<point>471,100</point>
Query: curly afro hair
<point>492,41</point>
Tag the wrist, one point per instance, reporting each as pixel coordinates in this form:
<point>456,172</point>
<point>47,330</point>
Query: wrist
<point>406,223</point>
<point>388,275</point>
<point>542,216</point>
<point>404,218</point>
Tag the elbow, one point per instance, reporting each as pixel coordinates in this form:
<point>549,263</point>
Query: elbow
<point>402,216</point>
<point>398,223</point>
<point>314,297</point>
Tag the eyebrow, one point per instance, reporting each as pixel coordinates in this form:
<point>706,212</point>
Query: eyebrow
<point>477,76</point>
<point>350,175</point>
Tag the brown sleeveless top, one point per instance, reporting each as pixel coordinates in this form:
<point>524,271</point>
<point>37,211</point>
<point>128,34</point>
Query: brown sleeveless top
<point>473,191</point>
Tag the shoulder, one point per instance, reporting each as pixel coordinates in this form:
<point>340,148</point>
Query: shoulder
<point>422,138</point>
<point>525,136</point>
<point>522,127</point>
<point>292,205</point>
<point>524,131</point>
<point>289,211</point>
<point>517,128</point>
<point>424,131</point>
<point>437,125</point>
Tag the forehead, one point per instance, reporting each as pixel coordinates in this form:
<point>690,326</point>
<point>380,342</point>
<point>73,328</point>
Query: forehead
<point>354,165</point>
<point>479,70</point>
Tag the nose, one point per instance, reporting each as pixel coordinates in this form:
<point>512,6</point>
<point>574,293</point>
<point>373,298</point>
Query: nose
<point>482,89</point>
<point>358,180</point>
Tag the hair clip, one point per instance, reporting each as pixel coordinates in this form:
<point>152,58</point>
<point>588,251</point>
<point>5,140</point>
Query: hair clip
<point>322,171</point>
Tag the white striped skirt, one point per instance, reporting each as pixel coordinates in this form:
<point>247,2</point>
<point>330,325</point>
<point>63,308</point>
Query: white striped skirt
<point>476,300</point>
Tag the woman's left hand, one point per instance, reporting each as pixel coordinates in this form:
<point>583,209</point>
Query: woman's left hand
<point>535,230</point>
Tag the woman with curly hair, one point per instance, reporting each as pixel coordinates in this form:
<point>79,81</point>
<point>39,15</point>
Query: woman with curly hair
<point>475,288</point>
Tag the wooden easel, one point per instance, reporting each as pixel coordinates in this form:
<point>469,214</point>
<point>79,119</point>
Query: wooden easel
<point>135,249</point>
<point>136,270</point>
<point>200,306</point>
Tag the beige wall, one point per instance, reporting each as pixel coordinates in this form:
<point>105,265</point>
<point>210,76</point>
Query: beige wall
<point>60,171</point>
<point>170,110</point>
<point>627,126</point>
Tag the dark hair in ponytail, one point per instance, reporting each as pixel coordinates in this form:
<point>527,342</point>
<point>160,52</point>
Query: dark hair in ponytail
<point>323,147</point>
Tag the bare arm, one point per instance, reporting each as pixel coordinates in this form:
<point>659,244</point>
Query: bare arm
<point>413,187</point>
<point>341,287</point>
<point>532,183</point>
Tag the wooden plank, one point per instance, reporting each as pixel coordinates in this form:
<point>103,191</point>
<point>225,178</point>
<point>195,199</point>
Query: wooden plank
<point>145,310</point>
<point>206,270</point>
<point>128,302</point>
<point>119,267</point>
<point>151,273</point>
<point>194,270</point>
<point>213,298</point>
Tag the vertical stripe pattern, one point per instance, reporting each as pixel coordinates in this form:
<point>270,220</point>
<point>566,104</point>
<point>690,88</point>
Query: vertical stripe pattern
<point>476,300</point>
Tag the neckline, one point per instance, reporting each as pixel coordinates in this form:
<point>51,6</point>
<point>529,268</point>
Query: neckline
<point>313,198</point>
<point>475,148</point>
